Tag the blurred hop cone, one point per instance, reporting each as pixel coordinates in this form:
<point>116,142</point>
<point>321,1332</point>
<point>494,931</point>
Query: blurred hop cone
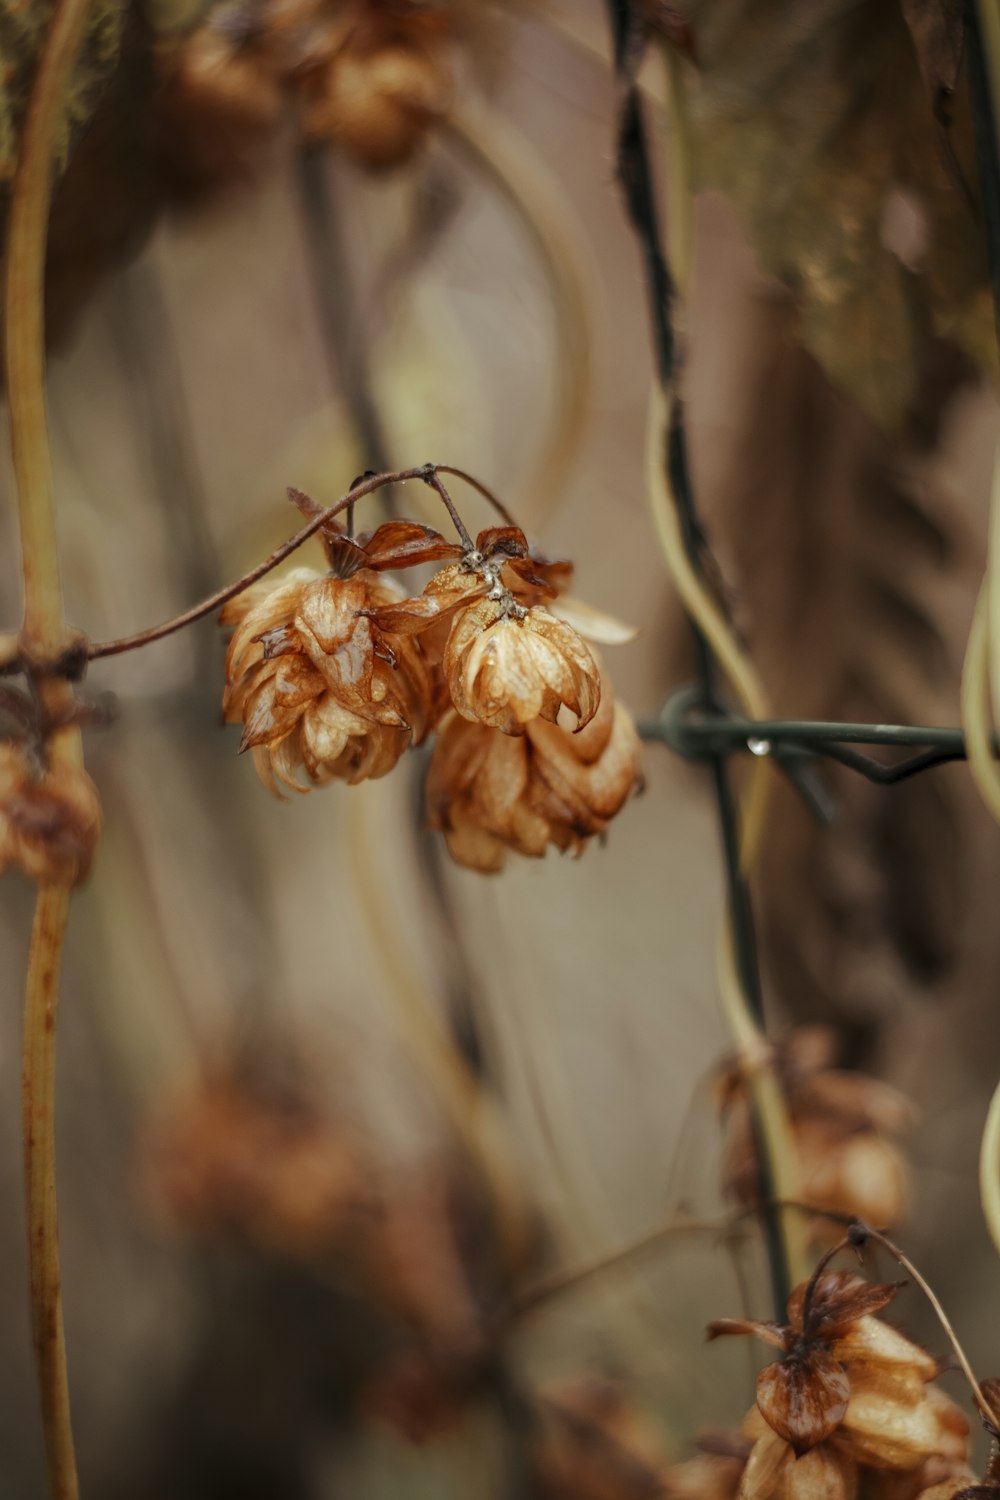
<point>850,1395</point>
<point>843,1124</point>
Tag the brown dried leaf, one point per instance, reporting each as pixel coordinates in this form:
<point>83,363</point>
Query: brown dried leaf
<point>401,544</point>
<point>937,28</point>
<point>814,119</point>
<point>803,1399</point>
<point>839,1299</point>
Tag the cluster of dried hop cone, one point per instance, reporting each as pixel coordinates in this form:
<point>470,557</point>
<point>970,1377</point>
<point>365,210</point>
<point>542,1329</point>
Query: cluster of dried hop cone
<point>372,76</point>
<point>845,1126</point>
<point>851,1407</point>
<point>333,676</point>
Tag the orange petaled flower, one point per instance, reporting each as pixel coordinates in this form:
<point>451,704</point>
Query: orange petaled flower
<point>850,1394</point>
<point>50,818</point>
<point>491,792</point>
<point>843,1123</point>
<point>321,693</point>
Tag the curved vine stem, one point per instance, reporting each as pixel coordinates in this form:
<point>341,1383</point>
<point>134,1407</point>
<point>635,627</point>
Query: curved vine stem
<point>43,635</point>
<point>469,1108</point>
<point>541,205</point>
<point>981,670</point>
<point>671,275</point>
<point>989,1169</point>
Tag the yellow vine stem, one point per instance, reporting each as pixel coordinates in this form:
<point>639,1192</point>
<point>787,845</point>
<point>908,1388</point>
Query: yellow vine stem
<point>752,1045</point>
<point>470,1111</point>
<point>540,203</point>
<point>43,635</point>
<point>989,1169</point>
<point>981,677</point>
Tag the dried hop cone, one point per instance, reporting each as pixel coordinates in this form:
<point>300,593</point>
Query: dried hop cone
<point>844,1124</point>
<point>379,101</point>
<point>490,792</point>
<point>850,1395</point>
<point>236,1161</point>
<point>50,819</point>
<point>321,692</point>
<point>506,666</point>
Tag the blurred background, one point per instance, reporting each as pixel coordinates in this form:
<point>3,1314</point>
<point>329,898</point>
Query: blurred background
<point>326,1101</point>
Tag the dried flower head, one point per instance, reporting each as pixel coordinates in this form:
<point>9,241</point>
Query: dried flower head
<point>491,792</point>
<point>849,1392</point>
<point>320,690</point>
<point>506,665</point>
<point>218,109</point>
<point>50,818</point>
<point>380,98</point>
<point>236,1160</point>
<point>843,1123</point>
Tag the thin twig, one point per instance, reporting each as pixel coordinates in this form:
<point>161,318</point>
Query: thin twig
<point>366,486</point>
<point>532,1296</point>
<point>904,1260</point>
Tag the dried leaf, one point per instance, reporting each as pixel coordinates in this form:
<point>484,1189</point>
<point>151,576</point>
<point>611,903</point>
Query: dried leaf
<point>937,28</point>
<point>839,1299</point>
<point>814,119</point>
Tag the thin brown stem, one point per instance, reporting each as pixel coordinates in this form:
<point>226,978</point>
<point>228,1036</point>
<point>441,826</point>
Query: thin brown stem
<point>367,486</point>
<point>539,1292</point>
<point>43,637</point>
<point>481,489</point>
<point>434,481</point>
<point>904,1260</point>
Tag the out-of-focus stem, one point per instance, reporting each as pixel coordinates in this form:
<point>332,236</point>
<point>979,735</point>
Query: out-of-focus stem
<point>989,1169</point>
<point>540,203</point>
<point>38,1105</point>
<point>467,1105</point>
<point>43,633</point>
